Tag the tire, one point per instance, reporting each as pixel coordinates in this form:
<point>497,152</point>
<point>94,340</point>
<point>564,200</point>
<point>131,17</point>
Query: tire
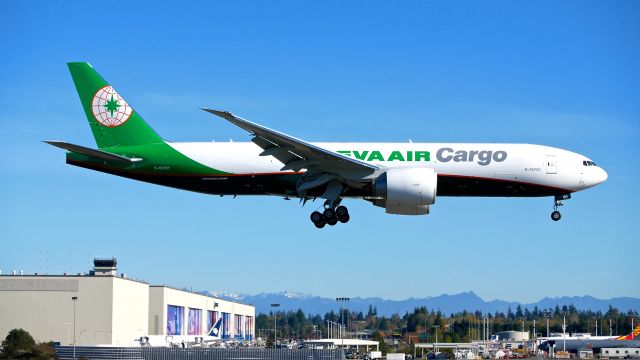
<point>344,218</point>
<point>342,211</point>
<point>329,214</point>
<point>555,216</point>
<point>332,221</point>
<point>319,224</point>
<point>316,216</point>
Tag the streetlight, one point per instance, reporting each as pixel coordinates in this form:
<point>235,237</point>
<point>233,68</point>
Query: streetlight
<point>435,346</point>
<point>275,332</point>
<point>546,316</point>
<point>342,300</point>
<point>564,332</point>
<point>523,348</point>
<point>74,299</point>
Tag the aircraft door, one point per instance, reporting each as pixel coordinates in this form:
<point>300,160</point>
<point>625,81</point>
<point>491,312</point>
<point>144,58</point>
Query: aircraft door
<point>552,167</point>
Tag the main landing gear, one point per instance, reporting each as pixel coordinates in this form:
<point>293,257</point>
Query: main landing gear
<point>555,215</point>
<point>330,216</point>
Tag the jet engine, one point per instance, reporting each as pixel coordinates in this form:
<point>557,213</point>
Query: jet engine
<point>407,191</point>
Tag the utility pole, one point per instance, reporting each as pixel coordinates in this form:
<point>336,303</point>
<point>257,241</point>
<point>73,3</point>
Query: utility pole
<point>275,329</point>
<point>74,299</point>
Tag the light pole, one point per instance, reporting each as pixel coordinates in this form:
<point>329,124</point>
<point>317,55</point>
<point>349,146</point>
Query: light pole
<point>435,346</point>
<point>275,331</point>
<point>342,300</point>
<point>523,348</point>
<point>546,317</point>
<point>74,299</point>
<point>564,332</point>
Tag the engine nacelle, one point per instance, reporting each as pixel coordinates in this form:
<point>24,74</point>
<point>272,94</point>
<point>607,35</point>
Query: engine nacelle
<point>406,191</point>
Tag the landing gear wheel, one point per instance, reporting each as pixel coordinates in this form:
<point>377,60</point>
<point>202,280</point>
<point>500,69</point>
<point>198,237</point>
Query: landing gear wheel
<point>342,210</point>
<point>332,221</point>
<point>555,216</point>
<point>316,217</point>
<point>329,214</point>
<point>342,213</point>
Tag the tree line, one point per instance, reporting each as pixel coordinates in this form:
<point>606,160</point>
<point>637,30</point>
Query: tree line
<point>456,327</point>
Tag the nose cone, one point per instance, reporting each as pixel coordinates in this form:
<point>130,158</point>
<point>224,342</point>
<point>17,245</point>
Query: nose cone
<point>595,176</point>
<point>600,176</point>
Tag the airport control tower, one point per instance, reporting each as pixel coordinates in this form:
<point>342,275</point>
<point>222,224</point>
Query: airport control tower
<point>104,267</point>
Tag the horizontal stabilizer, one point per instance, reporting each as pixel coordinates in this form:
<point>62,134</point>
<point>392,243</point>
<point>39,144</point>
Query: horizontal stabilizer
<point>98,154</point>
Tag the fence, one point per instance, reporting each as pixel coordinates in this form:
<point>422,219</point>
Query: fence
<point>161,353</point>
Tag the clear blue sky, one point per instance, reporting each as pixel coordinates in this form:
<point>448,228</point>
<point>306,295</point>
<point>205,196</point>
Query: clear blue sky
<point>565,74</point>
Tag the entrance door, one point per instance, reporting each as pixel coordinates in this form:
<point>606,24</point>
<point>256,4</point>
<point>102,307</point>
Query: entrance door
<point>552,167</point>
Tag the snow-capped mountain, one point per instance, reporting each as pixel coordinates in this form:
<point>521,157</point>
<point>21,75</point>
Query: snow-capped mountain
<point>310,304</point>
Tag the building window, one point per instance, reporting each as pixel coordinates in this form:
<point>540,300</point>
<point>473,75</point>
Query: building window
<point>248,327</point>
<point>212,317</point>
<point>225,325</point>
<point>237,331</point>
<point>195,322</point>
<point>175,318</point>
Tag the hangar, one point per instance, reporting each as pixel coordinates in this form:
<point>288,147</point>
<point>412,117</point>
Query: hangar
<point>103,308</point>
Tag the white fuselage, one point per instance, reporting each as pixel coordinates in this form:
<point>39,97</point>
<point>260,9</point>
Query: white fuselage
<point>521,163</point>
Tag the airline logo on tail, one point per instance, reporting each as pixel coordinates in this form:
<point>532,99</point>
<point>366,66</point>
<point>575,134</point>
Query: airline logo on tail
<point>215,330</point>
<point>634,334</point>
<point>109,108</point>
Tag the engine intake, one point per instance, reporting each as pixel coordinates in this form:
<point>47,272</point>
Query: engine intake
<point>407,191</point>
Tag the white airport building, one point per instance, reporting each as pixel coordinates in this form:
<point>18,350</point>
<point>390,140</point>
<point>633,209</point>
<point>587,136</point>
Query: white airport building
<point>102,308</point>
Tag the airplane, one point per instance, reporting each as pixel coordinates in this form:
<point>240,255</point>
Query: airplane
<point>631,340</point>
<point>402,178</point>
<point>213,337</point>
<point>215,329</point>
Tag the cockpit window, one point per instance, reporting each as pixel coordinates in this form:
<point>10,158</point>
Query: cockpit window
<point>588,163</point>
<point>584,163</point>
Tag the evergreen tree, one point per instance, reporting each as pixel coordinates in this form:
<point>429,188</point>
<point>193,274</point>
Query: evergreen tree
<point>17,342</point>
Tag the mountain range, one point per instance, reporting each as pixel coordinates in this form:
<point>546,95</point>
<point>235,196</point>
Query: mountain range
<point>445,303</point>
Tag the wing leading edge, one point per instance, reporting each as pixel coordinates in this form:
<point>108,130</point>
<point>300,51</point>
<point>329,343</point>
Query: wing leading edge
<point>296,154</point>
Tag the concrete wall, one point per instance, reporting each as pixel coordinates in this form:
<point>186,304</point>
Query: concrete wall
<point>110,310</point>
<point>130,311</point>
<point>42,305</point>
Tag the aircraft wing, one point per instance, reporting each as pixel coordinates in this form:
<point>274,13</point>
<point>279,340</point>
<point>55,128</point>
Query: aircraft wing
<point>297,154</point>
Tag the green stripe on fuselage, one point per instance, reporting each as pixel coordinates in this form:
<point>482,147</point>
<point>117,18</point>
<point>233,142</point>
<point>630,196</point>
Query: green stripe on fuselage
<point>159,158</point>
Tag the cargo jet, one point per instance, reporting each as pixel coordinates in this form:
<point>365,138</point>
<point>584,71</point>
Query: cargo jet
<point>402,178</point>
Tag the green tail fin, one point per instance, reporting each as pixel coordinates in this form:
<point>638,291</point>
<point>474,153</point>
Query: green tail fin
<point>113,122</point>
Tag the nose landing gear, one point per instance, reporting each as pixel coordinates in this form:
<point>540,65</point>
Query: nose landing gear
<point>555,215</point>
<point>330,216</point>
